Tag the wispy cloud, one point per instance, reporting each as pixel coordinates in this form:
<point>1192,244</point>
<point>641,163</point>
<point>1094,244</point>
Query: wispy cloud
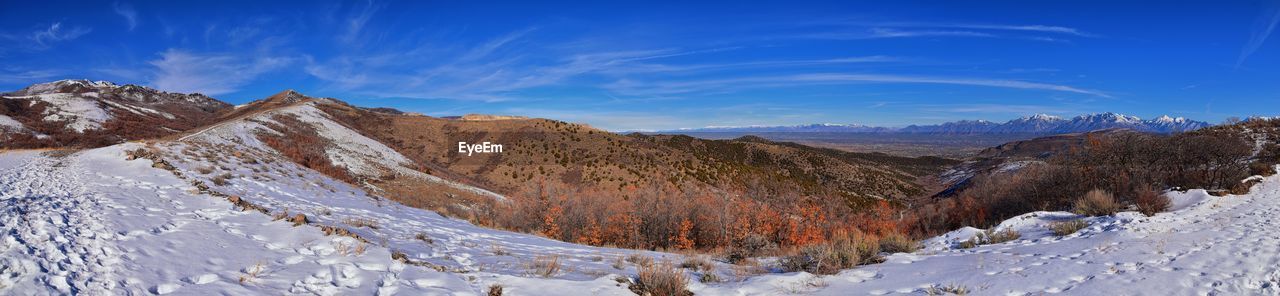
<point>734,85</point>
<point>880,33</point>
<point>1028,28</point>
<point>859,30</point>
<point>700,68</point>
<point>355,23</point>
<point>1002,83</point>
<point>477,72</point>
<point>56,33</point>
<point>614,120</point>
<point>17,76</point>
<point>1262,28</point>
<point>210,74</point>
<point>130,15</point>
<point>897,33</point>
<point>488,48</point>
<point>653,120</point>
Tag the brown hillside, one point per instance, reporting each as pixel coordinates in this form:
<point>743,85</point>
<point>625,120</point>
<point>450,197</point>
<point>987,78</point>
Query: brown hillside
<point>577,156</point>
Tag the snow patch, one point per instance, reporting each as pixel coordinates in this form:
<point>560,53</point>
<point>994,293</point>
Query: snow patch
<point>9,123</point>
<point>81,114</point>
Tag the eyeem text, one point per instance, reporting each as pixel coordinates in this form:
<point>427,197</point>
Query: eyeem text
<point>485,147</point>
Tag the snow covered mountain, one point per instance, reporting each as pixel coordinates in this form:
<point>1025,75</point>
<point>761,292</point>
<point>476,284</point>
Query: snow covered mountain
<point>96,113</point>
<point>1035,124</point>
<point>821,128</point>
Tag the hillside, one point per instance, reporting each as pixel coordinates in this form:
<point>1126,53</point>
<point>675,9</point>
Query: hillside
<point>1015,155</point>
<point>587,159</point>
<point>82,113</point>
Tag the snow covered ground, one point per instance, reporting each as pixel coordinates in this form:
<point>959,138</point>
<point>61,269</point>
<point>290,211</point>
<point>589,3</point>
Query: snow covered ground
<point>1207,246</point>
<point>95,223</point>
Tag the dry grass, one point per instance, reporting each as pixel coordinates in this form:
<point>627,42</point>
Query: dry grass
<point>1097,202</point>
<point>344,248</point>
<point>545,266</point>
<point>709,277</point>
<point>498,250</point>
<point>1061,228</point>
<point>619,263</point>
<point>990,236</point>
<point>948,289</point>
<point>898,243</point>
<point>361,222</point>
<point>640,260</point>
<point>747,268</point>
<point>698,263</point>
<point>424,238</point>
<point>754,245</point>
<point>249,274</point>
<point>495,290</point>
<point>842,252</point>
<point>221,180</point>
<point>661,280</point>
<point>1150,202</point>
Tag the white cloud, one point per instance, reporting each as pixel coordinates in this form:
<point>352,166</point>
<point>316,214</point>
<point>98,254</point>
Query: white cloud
<point>56,33</point>
<point>895,33</point>
<point>1003,83</point>
<point>130,15</point>
<point>1262,28</point>
<point>210,74</point>
<point>467,74</point>
<point>355,24</point>
<point>877,30</point>
<point>26,76</point>
<point>614,120</point>
<point>734,85</point>
<point>1031,28</point>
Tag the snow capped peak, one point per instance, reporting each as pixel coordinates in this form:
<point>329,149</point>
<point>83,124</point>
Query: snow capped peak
<point>1168,119</point>
<point>84,82</point>
<point>1042,117</point>
<point>287,96</point>
<point>1111,117</point>
<point>65,86</point>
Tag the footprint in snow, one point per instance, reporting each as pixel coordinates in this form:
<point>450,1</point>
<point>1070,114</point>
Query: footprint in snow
<point>201,279</point>
<point>162,289</point>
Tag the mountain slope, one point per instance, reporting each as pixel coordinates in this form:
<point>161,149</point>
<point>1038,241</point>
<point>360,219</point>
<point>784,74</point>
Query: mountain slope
<point>294,125</point>
<point>86,113</point>
<point>578,156</point>
<point>94,222</point>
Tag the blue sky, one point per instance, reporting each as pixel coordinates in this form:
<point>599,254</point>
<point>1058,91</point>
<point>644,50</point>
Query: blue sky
<point>653,65</point>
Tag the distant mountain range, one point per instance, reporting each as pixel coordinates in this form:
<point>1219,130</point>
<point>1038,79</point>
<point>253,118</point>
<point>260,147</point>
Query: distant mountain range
<point>1035,124</point>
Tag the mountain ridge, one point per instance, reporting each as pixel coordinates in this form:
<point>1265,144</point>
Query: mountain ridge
<point>1033,124</point>
<point>84,113</point>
